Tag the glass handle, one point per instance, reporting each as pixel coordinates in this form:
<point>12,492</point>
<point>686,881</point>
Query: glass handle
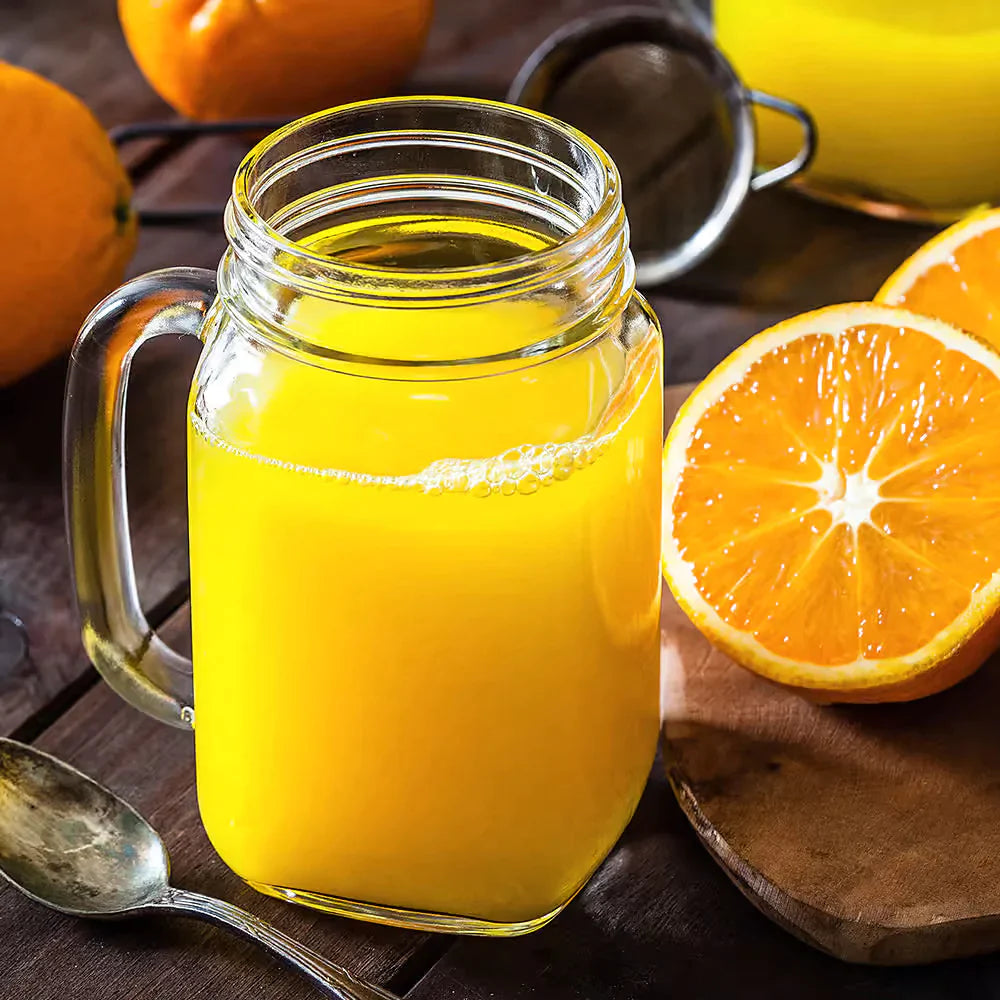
<point>802,159</point>
<point>117,637</point>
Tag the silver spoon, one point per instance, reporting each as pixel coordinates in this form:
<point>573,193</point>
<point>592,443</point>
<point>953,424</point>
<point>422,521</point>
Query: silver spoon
<point>70,844</point>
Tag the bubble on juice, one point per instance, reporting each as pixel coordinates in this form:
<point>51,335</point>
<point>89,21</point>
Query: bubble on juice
<point>529,484</point>
<point>525,469</point>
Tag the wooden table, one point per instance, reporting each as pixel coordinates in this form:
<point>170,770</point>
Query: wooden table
<point>659,919</point>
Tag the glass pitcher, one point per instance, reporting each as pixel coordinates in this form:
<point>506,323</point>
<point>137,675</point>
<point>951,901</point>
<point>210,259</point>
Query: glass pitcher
<point>906,96</point>
<point>424,502</point>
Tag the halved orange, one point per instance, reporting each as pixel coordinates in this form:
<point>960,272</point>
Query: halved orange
<point>955,277</point>
<point>832,504</point>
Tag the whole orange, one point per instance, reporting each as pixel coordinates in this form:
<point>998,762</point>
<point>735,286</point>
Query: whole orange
<point>214,59</point>
<point>66,227</point>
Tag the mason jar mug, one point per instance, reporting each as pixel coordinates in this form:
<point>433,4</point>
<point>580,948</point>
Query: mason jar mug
<point>424,502</point>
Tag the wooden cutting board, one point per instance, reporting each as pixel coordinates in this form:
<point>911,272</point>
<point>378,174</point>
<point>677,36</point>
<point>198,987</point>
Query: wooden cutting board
<point>871,832</point>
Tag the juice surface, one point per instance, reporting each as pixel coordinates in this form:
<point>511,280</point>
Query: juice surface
<point>906,94</point>
<point>425,612</point>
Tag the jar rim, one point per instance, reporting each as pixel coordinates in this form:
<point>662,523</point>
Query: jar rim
<point>247,226</point>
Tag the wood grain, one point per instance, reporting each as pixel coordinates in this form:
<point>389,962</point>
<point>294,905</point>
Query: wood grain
<point>477,46</point>
<point>659,921</point>
<point>868,831</point>
<point>45,956</point>
<point>79,44</point>
<point>788,252</point>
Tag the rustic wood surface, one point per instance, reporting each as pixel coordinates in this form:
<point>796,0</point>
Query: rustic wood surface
<point>660,918</point>
<point>869,831</point>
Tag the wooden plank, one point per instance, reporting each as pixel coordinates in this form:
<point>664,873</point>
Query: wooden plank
<point>827,816</point>
<point>698,335</point>
<point>477,46</point>
<point>785,254</point>
<point>473,49</point>
<point>790,253</point>
<point>80,46</point>
<point>34,566</point>
<point>33,579</point>
<point>46,956</point>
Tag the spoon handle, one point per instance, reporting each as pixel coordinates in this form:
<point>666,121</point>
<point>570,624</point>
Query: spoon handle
<point>334,979</point>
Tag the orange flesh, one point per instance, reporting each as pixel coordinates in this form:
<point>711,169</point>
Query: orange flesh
<point>964,289</point>
<point>827,504</point>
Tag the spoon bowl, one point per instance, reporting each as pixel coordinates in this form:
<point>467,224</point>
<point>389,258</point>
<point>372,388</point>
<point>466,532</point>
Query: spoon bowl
<point>69,843</point>
<point>74,846</point>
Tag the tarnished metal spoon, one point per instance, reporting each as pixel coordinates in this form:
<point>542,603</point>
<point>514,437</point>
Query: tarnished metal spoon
<point>70,844</point>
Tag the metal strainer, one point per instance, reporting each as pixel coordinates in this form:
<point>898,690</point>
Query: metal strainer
<point>666,104</point>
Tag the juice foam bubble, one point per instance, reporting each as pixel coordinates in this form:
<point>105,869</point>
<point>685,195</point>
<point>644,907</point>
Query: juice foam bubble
<point>521,470</point>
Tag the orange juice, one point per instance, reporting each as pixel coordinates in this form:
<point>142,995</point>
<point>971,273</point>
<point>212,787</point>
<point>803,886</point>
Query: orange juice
<point>906,93</point>
<point>425,609</point>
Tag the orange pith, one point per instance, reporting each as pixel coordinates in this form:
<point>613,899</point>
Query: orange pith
<point>955,277</point>
<point>832,503</point>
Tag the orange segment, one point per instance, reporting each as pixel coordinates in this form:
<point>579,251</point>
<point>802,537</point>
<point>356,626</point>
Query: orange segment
<point>955,277</point>
<point>942,534</point>
<point>821,593</point>
<point>832,503</point>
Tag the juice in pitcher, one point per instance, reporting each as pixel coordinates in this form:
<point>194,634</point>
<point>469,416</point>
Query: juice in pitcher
<point>905,93</point>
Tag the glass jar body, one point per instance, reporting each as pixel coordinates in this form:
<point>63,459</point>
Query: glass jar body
<point>425,619</point>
